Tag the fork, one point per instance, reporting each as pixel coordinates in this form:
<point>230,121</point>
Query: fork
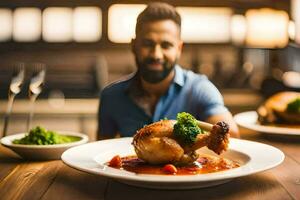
<point>35,88</point>
<point>14,89</point>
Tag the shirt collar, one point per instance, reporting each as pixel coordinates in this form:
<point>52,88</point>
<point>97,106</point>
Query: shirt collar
<point>179,76</point>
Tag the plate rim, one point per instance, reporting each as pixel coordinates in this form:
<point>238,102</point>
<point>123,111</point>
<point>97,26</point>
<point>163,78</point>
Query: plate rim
<point>253,116</point>
<point>217,176</point>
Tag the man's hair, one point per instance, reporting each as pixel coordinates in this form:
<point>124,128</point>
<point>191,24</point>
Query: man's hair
<point>157,11</point>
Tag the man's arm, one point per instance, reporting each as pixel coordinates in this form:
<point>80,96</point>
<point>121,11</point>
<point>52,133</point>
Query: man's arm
<point>106,126</point>
<point>226,117</point>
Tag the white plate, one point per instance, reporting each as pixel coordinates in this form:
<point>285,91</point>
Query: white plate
<point>252,156</point>
<point>249,120</point>
<point>42,152</point>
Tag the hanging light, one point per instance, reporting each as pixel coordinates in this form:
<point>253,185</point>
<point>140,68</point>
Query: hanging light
<point>57,24</point>
<point>267,28</point>
<point>205,25</point>
<point>295,12</point>
<point>87,24</point>
<point>292,30</point>
<point>122,21</point>
<point>6,21</point>
<point>27,24</point>
<point>238,29</point>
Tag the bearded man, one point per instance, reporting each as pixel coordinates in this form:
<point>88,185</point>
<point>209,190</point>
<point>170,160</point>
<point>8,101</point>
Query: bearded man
<point>160,88</point>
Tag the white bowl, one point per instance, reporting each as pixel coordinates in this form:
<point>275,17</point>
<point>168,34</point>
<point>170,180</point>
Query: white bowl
<point>42,152</point>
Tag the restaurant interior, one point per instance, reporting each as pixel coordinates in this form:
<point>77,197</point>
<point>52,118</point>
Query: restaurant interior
<point>248,49</point>
<point>57,56</point>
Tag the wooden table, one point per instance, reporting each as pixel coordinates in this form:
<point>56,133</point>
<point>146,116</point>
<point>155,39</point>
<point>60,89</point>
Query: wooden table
<point>53,180</point>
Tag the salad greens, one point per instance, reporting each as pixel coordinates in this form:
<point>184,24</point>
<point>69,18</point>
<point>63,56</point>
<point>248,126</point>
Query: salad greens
<point>41,136</point>
<point>294,106</point>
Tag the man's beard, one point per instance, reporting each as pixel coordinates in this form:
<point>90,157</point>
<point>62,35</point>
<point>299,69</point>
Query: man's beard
<point>154,76</point>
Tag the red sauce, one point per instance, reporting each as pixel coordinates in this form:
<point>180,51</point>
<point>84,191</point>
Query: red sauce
<point>204,164</point>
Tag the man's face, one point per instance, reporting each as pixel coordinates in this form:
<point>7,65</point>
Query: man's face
<point>157,48</point>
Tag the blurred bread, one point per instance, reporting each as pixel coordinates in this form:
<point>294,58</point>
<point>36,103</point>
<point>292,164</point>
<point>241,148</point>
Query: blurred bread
<point>273,110</point>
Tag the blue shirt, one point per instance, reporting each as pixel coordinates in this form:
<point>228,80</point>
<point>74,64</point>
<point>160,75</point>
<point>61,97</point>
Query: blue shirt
<point>189,92</point>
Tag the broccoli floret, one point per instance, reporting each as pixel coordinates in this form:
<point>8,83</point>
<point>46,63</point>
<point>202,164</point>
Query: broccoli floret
<point>294,106</point>
<point>186,128</point>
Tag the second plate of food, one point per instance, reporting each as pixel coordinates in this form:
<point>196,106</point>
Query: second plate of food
<point>249,120</point>
<point>41,144</point>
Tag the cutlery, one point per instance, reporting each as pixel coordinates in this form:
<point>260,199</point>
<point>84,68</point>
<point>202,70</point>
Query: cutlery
<point>14,89</point>
<point>35,88</point>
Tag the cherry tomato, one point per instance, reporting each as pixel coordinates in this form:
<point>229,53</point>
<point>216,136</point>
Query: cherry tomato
<point>170,169</point>
<point>115,162</point>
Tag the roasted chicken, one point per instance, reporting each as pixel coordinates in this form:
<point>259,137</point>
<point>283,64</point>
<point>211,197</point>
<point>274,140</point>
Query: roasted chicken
<point>156,144</point>
<point>274,109</point>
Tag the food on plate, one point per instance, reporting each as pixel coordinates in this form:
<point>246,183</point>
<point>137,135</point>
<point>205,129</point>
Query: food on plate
<point>170,147</point>
<point>41,136</point>
<point>171,141</point>
<point>294,106</point>
<point>204,164</point>
<point>282,108</point>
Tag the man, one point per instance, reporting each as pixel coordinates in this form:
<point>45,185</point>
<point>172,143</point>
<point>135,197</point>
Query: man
<point>160,88</point>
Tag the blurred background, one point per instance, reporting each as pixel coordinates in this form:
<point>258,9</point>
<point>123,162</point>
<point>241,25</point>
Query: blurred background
<point>248,49</point>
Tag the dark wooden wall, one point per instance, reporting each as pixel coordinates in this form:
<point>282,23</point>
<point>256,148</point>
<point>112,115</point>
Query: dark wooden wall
<point>78,62</point>
<point>239,6</point>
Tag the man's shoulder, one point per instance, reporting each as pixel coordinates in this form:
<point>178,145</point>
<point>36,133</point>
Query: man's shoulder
<point>198,82</point>
<point>191,76</point>
<point>118,86</point>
